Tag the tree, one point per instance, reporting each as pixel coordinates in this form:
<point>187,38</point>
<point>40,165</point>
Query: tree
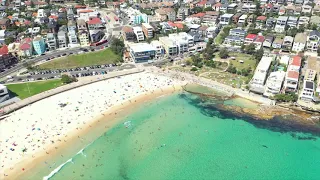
<point>301,29</point>
<point>232,69</point>
<point>196,60</point>
<point>62,22</point>
<point>224,53</point>
<point>9,40</point>
<point>117,46</point>
<point>258,54</point>
<point>292,32</point>
<point>289,97</point>
<point>32,4</point>
<point>318,51</point>
<point>67,79</point>
<point>208,9</point>
<point>28,65</point>
<point>197,10</point>
<point>250,49</point>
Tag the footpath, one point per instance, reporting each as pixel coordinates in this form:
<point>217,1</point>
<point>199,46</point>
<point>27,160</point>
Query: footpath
<point>82,82</point>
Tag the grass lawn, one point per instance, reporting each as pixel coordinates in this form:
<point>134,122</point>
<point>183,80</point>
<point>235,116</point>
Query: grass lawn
<point>21,89</point>
<point>248,60</point>
<point>82,60</point>
<point>218,40</point>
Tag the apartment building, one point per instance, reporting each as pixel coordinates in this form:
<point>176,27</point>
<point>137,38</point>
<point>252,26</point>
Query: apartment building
<point>292,21</point>
<point>183,13</point>
<point>139,33</point>
<point>242,19</point>
<point>257,83</point>
<point>237,32</point>
<point>73,39</point>
<point>51,41</point>
<point>39,45</point>
<point>62,39</point>
<point>128,34</point>
<point>84,38</point>
<point>159,49</point>
<point>81,24</point>
<point>96,35</point>
<point>169,46</point>
<point>141,52</point>
<point>274,83</point>
<point>281,24</point>
<point>147,30</point>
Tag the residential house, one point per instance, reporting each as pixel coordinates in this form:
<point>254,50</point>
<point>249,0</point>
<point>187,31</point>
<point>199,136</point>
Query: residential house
<point>52,26</point>
<point>263,2</point>
<point>210,18</point>
<point>251,19</point>
<point>290,9</point>
<point>316,10</point>
<point>217,6</point>
<point>6,58</point>
<point>237,32</point>
<point>51,42</point>
<point>306,9</point>
<point>139,33</point>
<point>242,20</point>
<point>232,7</point>
<point>233,40</point>
<point>26,48</point>
<point>73,39</point>
<point>258,42</point>
<point>225,19</point>
<point>308,88</point>
<point>247,1</point>
<point>287,43</point>
<point>292,76</point>
<point>268,8</point>
<point>212,31</point>
<point>297,11</point>
<point>281,24</point>
<point>303,21</point>
<point>166,14</point>
<point>70,14</point>
<point>39,45</point>
<point>250,38</point>
<point>147,30</point>
<point>292,21</point>
<point>95,24</point>
<point>277,43</point>
<point>224,8</point>
<point>270,23</point>
<point>183,13</point>
<point>62,40</point>
<point>315,20</point>
<point>4,23</point>
<point>261,21</point>
<point>298,2</point>
<point>83,36</point>
<point>159,48</point>
<point>236,17</point>
<point>128,34</point>
<point>81,24</point>
<point>96,35</point>
<point>281,1</point>
<point>313,41</point>
<point>274,83</point>
<point>268,41</point>
<point>300,41</point>
<point>258,80</point>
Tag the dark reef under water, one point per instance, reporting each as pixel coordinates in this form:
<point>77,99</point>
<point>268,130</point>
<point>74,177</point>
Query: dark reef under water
<point>214,107</point>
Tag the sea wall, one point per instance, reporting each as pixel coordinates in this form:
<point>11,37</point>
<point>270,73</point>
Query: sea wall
<point>25,102</point>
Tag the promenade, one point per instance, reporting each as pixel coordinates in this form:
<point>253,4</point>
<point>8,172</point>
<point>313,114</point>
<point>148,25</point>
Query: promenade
<point>82,82</point>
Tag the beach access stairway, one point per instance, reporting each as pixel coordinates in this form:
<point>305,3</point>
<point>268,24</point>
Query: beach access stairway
<point>25,102</point>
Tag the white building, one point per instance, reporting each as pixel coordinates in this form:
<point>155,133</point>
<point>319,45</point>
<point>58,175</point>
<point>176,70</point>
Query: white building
<point>258,80</point>
<point>292,75</point>
<point>73,39</point>
<point>138,32</point>
<point>40,13</point>
<point>225,19</point>
<point>159,48</point>
<point>274,83</point>
<point>308,89</point>
<point>169,46</point>
<point>281,24</point>
<point>300,42</point>
<point>141,52</point>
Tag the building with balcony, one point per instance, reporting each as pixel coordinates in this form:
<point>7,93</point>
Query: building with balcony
<point>308,89</point>
<point>128,34</point>
<point>141,52</point>
<point>147,30</point>
<point>51,42</point>
<point>281,24</point>
<point>73,39</point>
<point>257,83</point>
<point>159,49</point>
<point>313,41</point>
<point>139,33</point>
<point>225,19</point>
<point>62,39</point>
<point>39,45</point>
<point>81,24</point>
<point>300,41</point>
<point>83,36</point>
<point>169,46</point>
<point>274,83</point>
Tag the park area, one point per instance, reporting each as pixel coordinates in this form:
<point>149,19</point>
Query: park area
<point>25,90</point>
<point>82,60</point>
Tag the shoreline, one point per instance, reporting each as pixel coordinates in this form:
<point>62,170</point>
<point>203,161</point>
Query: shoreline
<point>91,131</point>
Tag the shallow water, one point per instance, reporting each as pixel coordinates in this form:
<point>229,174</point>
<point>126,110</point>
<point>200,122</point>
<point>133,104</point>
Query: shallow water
<point>179,137</point>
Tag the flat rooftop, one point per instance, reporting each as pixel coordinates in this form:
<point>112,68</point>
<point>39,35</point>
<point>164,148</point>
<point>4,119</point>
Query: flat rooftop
<point>141,47</point>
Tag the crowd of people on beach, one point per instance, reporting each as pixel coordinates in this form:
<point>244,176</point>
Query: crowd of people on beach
<point>32,129</point>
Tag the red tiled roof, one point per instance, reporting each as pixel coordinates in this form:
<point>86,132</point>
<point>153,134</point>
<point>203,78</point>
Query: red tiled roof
<point>217,5</point>
<point>259,39</point>
<point>25,46</point>
<point>199,15</point>
<point>296,61</point>
<point>53,17</point>
<point>80,6</point>
<point>94,21</point>
<point>251,36</point>
<point>85,11</point>
<point>269,5</point>
<point>179,25</point>
<point>293,74</point>
<point>27,40</point>
<point>4,50</point>
<point>203,2</point>
<point>262,18</point>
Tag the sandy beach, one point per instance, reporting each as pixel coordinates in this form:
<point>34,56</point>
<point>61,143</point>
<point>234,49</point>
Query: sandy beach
<point>37,132</point>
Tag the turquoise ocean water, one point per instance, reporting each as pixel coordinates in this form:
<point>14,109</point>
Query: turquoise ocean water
<point>181,137</point>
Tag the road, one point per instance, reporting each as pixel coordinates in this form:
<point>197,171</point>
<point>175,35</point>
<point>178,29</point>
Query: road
<point>56,75</point>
